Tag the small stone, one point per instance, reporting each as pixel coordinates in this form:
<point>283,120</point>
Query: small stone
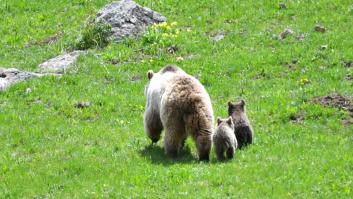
<point>28,90</point>
<point>282,6</point>
<point>135,78</point>
<point>172,49</point>
<point>218,37</point>
<point>319,28</point>
<point>285,33</point>
<point>82,105</point>
<point>301,37</point>
<point>114,61</point>
<point>294,61</point>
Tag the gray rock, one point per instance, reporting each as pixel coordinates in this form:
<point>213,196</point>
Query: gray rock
<point>282,6</point>
<point>218,37</point>
<point>11,76</point>
<point>60,63</point>
<point>128,19</point>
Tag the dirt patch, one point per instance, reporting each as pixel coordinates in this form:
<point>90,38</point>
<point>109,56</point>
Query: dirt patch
<point>136,78</point>
<point>297,118</point>
<point>292,64</point>
<point>47,41</point>
<point>347,64</point>
<point>337,101</point>
<point>349,78</point>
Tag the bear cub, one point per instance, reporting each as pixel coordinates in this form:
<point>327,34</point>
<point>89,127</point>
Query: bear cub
<point>242,128</point>
<point>224,139</point>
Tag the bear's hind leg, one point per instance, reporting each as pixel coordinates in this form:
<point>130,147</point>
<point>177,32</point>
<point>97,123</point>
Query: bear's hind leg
<point>174,137</point>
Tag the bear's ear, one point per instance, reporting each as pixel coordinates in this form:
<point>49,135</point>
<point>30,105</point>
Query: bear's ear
<point>219,121</point>
<point>230,104</point>
<point>230,121</point>
<point>150,74</point>
<point>242,105</point>
<point>242,102</point>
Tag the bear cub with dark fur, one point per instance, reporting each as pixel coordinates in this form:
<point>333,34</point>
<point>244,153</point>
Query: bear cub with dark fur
<point>242,128</point>
<point>224,139</point>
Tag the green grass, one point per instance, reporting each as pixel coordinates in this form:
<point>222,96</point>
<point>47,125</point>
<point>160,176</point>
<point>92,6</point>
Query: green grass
<point>50,149</point>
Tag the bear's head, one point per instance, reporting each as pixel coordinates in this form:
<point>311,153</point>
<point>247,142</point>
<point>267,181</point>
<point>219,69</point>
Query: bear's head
<point>228,122</point>
<point>236,107</point>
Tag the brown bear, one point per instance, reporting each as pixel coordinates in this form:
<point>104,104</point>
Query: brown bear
<point>179,104</point>
<point>242,128</point>
<point>224,139</point>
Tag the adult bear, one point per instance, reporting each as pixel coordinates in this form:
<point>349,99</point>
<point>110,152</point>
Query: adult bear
<point>180,104</point>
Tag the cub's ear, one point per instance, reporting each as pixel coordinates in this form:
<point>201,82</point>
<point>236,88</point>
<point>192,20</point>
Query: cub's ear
<point>230,104</point>
<point>219,121</point>
<point>242,102</point>
<point>230,121</point>
<point>150,74</point>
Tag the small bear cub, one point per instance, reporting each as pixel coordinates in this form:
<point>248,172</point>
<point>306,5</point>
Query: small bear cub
<point>242,127</point>
<point>224,139</point>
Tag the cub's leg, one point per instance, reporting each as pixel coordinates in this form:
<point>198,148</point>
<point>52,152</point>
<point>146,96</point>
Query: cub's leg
<point>230,152</point>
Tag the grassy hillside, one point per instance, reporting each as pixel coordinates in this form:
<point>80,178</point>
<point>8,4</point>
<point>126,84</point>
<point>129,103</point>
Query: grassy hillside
<point>50,149</point>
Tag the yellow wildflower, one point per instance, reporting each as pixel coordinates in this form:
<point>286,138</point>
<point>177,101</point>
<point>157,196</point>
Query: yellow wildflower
<point>180,59</point>
<point>304,81</point>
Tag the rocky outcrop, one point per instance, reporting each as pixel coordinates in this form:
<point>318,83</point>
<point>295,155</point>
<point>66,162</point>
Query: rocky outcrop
<point>60,63</point>
<point>128,19</point>
<point>9,76</point>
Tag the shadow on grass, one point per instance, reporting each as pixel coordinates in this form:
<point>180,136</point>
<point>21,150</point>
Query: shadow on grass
<point>156,155</point>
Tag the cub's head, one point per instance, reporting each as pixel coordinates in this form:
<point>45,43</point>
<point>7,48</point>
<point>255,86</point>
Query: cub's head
<point>236,107</point>
<point>227,122</point>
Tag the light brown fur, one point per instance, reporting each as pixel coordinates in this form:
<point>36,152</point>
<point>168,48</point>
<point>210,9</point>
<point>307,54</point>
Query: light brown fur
<point>183,107</point>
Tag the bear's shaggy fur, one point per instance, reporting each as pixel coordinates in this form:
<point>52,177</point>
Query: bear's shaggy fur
<point>224,139</point>
<point>179,104</point>
<point>242,127</point>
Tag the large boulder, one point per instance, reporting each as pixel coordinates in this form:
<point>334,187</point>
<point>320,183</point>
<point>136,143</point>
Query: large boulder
<point>9,76</point>
<point>128,19</point>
